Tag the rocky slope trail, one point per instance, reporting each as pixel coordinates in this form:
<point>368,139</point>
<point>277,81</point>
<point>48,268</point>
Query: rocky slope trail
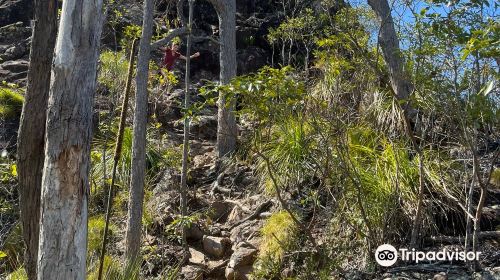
<point>225,204</point>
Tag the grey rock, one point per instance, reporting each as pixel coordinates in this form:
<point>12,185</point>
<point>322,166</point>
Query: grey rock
<point>192,272</point>
<point>216,246</point>
<point>15,10</point>
<point>15,66</point>
<point>242,256</point>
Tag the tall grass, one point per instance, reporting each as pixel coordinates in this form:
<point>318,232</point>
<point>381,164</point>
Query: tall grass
<point>11,102</point>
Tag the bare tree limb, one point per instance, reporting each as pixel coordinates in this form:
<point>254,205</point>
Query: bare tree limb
<point>170,36</point>
<point>254,215</point>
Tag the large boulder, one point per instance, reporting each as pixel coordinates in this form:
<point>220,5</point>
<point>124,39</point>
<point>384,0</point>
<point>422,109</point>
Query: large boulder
<point>14,33</point>
<point>15,51</point>
<point>167,112</point>
<point>15,66</point>
<point>205,127</point>
<point>246,232</point>
<point>244,255</point>
<point>251,59</point>
<point>15,10</point>
<point>220,210</point>
<point>197,257</point>
<point>242,273</point>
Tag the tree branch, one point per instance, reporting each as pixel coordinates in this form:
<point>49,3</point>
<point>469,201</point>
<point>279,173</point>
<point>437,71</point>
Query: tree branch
<point>170,36</point>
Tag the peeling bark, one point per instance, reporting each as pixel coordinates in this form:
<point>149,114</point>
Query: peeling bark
<point>63,220</point>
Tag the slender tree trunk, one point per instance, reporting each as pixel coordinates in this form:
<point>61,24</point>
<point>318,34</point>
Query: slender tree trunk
<point>134,218</point>
<point>63,230</point>
<point>185,149</point>
<point>392,54</point>
<point>226,130</point>
<point>469,209</point>
<point>403,88</point>
<point>31,139</point>
<point>117,156</point>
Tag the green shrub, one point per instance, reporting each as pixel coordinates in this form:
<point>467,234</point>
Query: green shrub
<point>111,270</point>
<point>113,71</point>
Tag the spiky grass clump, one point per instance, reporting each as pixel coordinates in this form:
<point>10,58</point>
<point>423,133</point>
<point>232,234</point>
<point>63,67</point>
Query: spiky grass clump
<point>95,232</point>
<point>11,103</point>
<point>156,160</point>
<point>290,154</point>
<point>279,235</point>
<point>19,274</point>
<point>114,269</point>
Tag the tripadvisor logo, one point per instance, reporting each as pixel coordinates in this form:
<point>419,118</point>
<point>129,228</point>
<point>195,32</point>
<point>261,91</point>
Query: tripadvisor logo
<point>386,255</point>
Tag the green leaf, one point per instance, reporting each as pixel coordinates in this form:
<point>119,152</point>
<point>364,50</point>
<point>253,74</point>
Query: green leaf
<point>13,170</point>
<point>488,88</point>
<point>2,255</point>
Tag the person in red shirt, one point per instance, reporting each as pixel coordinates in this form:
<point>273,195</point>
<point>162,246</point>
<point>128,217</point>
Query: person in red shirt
<point>171,54</point>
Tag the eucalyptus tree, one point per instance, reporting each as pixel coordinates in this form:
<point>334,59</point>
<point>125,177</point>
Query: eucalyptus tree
<point>65,184</point>
<point>226,129</point>
<point>403,89</point>
<point>31,138</point>
<point>134,217</point>
<point>389,43</point>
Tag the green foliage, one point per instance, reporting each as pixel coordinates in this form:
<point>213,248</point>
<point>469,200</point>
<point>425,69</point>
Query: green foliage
<point>8,171</point>
<point>19,274</point>
<point>381,169</point>
<point>113,71</point>
<point>131,32</point>
<point>13,250</point>
<point>481,107</point>
<point>288,150</point>
<point>156,160</point>
<point>11,102</point>
<point>113,269</point>
<point>279,235</point>
<point>96,226</point>
<point>174,229</point>
<point>268,96</point>
<point>495,177</point>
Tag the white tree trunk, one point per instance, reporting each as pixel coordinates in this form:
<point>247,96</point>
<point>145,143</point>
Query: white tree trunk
<point>63,231</point>
<point>226,129</point>
<point>134,218</point>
